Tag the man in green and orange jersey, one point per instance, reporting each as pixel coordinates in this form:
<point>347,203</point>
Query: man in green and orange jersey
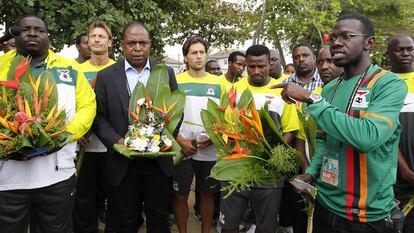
<point>355,163</point>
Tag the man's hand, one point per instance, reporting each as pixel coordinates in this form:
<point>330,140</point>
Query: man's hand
<point>83,141</point>
<point>204,143</point>
<point>405,170</point>
<point>121,141</point>
<point>305,178</point>
<point>292,92</point>
<point>187,146</point>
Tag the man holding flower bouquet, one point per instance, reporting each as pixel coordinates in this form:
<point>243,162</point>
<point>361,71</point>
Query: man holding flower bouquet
<point>38,191</point>
<point>136,180</point>
<point>265,198</point>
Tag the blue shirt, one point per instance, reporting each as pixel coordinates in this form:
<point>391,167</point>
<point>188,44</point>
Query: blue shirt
<point>133,76</point>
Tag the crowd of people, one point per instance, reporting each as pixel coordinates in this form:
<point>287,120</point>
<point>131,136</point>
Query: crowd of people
<point>363,166</point>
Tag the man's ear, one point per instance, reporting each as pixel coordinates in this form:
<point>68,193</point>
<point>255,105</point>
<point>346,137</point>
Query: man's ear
<point>369,43</point>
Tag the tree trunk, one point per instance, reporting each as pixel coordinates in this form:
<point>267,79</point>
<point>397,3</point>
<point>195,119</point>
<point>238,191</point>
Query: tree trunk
<point>279,48</point>
<point>260,26</point>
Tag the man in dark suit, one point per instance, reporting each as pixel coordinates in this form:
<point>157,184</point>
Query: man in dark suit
<point>139,180</point>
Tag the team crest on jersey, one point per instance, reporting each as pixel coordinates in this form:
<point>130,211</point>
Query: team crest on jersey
<point>210,91</point>
<point>360,100</point>
<point>64,75</point>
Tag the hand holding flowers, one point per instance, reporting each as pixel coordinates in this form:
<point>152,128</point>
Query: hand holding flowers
<point>154,112</point>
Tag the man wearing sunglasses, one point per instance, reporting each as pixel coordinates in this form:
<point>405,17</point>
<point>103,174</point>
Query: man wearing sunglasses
<point>355,162</point>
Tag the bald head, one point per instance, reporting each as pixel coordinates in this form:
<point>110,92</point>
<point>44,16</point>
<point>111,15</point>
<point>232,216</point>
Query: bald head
<point>400,51</point>
<point>275,69</point>
<point>327,69</point>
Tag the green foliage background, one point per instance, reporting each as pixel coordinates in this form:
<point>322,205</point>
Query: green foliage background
<point>224,24</point>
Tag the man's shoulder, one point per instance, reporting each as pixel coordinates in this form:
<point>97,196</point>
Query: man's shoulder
<point>112,68</point>
<point>386,77</point>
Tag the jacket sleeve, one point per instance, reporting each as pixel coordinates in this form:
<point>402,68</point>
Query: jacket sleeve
<point>85,108</point>
<point>173,87</point>
<point>102,125</point>
<point>172,79</point>
<point>316,161</point>
<point>376,124</point>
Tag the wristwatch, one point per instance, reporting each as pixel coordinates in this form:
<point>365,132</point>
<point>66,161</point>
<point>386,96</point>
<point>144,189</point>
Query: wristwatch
<point>314,98</point>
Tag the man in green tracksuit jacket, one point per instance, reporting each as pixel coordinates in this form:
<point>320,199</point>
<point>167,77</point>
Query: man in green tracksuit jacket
<point>354,167</point>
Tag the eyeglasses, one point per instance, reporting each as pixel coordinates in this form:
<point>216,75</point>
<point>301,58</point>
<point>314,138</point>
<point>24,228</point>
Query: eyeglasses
<point>344,37</point>
<point>133,43</point>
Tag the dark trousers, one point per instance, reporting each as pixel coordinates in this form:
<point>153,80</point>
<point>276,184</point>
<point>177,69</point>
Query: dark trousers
<point>90,194</point>
<point>409,219</point>
<point>292,210</point>
<point>327,222</point>
<point>144,182</point>
<point>46,210</point>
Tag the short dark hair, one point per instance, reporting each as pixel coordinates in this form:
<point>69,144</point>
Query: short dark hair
<point>258,50</point>
<point>389,44</point>
<point>209,63</point>
<point>194,40</point>
<point>233,56</point>
<point>303,44</point>
<point>79,38</point>
<point>287,65</point>
<point>19,21</point>
<point>134,23</point>
<point>367,26</point>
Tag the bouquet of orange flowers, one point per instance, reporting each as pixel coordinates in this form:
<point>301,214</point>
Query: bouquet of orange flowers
<point>251,151</point>
<point>30,122</point>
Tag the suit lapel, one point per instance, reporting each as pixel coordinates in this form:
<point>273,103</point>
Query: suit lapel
<point>122,83</point>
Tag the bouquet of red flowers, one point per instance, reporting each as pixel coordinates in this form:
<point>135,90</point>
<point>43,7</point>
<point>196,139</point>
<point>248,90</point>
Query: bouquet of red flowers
<point>30,122</point>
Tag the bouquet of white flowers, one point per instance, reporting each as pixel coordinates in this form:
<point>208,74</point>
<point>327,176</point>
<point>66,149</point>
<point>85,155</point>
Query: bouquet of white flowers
<point>154,112</point>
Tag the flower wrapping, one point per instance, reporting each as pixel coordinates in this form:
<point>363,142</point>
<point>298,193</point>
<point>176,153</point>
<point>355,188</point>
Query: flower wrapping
<point>251,151</point>
<point>30,123</point>
<point>154,113</point>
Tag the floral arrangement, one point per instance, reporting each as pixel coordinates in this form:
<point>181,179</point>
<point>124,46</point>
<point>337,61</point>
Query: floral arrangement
<point>154,113</point>
<point>30,123</point>
<point>251,151</point>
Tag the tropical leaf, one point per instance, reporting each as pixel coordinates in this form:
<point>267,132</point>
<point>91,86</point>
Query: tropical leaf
<point>225,170</point>
<point>309,126</point>
<point>177,97</point>
<point>213,108</point>
<point>270,129</point>
<point>15,62</point>
<point>48,90</point>
<point>138,93</point>
<point>41,138</point>
<point>224,100</point>
<point>161,98</point>
<point>157,80</point>
<point>209,122</point>
<point>245,100</point>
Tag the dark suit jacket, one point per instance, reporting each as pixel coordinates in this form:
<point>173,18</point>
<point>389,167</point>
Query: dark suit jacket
<point>111,122</point>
